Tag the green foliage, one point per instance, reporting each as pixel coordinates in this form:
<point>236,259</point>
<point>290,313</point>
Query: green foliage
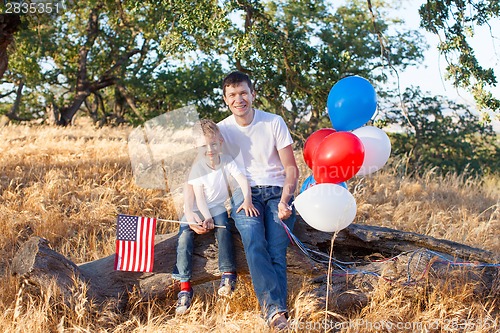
<point>454,21</point>
<point>131,60</point>
<point>297,50</point>
<point>197,84</point>
<point>442,134</point>
<point>71,59</point>
<point>189,25</point>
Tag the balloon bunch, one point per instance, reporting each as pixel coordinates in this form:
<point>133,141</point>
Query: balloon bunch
<point>337,154</point>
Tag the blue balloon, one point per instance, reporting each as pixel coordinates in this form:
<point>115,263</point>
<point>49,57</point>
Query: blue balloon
<point>352,101</point>
<point>310,181</point>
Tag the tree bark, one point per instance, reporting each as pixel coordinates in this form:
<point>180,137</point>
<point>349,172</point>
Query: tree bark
<point>13,112</point>
<point>82,90</point>
<point>38,264</point>
<point>9,24</point>
<point>130,101</point>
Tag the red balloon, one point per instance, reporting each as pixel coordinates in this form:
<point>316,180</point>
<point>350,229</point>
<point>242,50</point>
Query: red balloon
<point>338,158</point>
<point>313,142</point>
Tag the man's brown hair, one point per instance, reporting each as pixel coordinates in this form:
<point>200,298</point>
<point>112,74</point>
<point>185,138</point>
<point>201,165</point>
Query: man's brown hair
<point>236,78</point>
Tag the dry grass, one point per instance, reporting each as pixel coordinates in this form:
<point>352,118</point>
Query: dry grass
<point>67,185</point>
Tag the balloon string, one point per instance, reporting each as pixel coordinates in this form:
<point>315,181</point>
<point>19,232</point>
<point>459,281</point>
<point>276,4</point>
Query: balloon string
<point>328,276</point>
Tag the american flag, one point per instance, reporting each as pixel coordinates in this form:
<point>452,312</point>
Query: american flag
<point>135,239</point>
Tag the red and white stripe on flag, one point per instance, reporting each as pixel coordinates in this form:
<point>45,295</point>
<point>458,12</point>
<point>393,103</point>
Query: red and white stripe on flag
<point>135,239</point>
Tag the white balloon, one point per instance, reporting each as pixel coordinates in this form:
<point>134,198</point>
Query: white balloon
<point>326,207</point>
<point>377,149</point>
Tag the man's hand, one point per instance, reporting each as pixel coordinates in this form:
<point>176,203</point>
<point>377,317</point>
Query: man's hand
<point>249,208</point>
<point>284,210</point>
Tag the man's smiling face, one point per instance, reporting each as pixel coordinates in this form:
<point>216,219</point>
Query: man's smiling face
<point>239,98</point>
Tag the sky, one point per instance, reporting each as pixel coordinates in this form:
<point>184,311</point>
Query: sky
<point>430,76</point>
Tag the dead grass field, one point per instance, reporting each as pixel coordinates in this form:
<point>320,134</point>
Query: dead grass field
<point>68,184</point>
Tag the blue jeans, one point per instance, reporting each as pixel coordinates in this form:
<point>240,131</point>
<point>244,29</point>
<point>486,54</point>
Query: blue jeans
<point>185,243</point>
<point>265,242</point>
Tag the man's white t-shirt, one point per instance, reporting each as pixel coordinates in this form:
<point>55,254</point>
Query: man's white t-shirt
<point>214,182</point>
<point>255,147</point>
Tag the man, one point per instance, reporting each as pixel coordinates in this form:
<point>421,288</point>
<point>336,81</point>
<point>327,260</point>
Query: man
<point>261,144</point>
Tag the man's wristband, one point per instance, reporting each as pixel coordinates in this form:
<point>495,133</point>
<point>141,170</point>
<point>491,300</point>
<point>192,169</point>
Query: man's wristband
<point>286,204</point>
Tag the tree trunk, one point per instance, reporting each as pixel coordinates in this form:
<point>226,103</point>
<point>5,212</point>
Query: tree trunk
<point>66,114</point>
<point>118,106</point>
<point>130,101</point>
<point>9,24</point>
<point>38,264</point>
<point>13,112</point>
<point>84,87</point>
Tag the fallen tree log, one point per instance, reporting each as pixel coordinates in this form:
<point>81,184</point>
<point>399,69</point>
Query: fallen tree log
<point>36,263</point>
<point>360,239</point>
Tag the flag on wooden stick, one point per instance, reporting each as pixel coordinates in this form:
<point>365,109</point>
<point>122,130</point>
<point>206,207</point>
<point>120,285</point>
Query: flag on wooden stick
<point>135,240</point>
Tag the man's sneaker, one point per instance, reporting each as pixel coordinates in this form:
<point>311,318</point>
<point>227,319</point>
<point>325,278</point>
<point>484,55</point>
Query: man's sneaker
<point>279,323</point>
<point>183,302</point>
<point>227,284</point>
